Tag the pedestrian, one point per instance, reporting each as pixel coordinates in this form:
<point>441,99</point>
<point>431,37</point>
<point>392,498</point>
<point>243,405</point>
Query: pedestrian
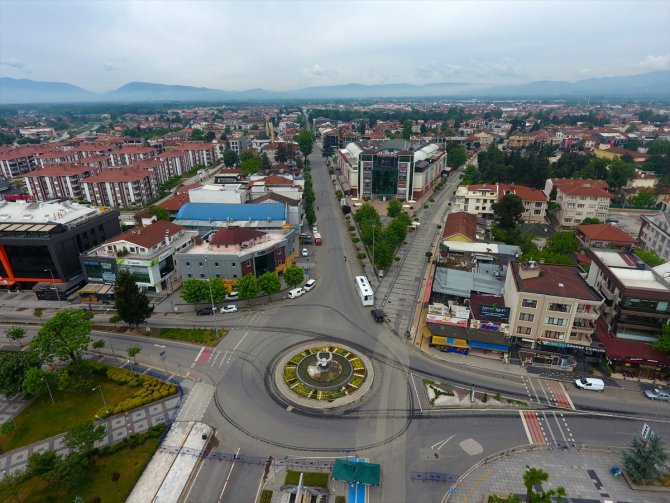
<point>345,258</point>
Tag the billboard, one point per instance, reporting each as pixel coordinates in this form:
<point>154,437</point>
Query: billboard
<point>494,312</point>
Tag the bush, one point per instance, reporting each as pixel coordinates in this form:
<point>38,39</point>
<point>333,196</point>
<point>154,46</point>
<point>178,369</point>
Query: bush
<point>485,398</point>
<point>7,427</point>
<point>361,255</point>
<point>396,258</point>
<point>351,228</point>
<point>355,240</point>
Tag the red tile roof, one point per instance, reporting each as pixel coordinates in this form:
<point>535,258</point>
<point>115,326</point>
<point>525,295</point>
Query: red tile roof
<point>525,193</point>
<point>578,187</point>
<point>272,180</point>
<point>550,280</point>
<point>116,175</point>
<point>235,236</point>
<point>148,236</point>
<point>64,169</point>
<point>175,202</point>
<point>461,222</point>
<point>625,348</point>
<point>605,232</point>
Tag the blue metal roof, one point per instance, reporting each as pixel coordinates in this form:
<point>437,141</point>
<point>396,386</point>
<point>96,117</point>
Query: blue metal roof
<point>215,212</point>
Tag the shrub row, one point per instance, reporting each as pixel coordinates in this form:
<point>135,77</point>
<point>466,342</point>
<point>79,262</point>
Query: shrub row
<point>133,440</point>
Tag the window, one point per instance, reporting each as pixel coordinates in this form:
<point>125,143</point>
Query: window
<point>550,320</point>
<point>561,308</point>
<point>216,264</point>
<point>550,334</point>
<point>190,276</point>
<point>529,303</point>
<point>526,317</point>
<point>248,262</point>
<point>233,264</point>
<point>202,275</point>
<point>523,330</point>
<point>200,263</point>
<point>188,264</point>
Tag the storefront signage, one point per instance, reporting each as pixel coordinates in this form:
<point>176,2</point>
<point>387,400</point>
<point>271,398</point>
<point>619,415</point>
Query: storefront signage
<point>554,344</point>
<point>493,311</point>
<point>586,348</point>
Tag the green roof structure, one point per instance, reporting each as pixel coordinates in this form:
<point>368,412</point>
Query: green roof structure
<point>356,472</point>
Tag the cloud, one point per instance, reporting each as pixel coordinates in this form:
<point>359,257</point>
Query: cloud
<point>654,62</point>
<point>109,66</point>
<point>316,72</point>
<point>13,62</point>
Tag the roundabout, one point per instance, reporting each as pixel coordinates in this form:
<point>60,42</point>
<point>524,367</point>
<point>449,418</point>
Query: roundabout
<point>323,376</point>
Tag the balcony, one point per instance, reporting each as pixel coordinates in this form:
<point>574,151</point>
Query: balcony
<point>583,324</point>
<point>611,295</point>
<point>591,314</point>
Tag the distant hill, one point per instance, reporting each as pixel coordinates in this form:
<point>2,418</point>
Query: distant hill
<point>30,91</point>
<point>648,85</point>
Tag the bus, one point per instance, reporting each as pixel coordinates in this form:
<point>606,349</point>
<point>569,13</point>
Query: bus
<point>365,291</point>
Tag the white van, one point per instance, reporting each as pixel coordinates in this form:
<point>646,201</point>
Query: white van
<point>590,383</point>
<point>296,292</point>
<point>309,285</point>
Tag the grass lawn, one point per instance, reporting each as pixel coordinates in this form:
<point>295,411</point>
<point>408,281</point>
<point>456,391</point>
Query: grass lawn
<point>204,336</point>
<point>311,479</point>
<point>97,481</point>
<point>42,419</point>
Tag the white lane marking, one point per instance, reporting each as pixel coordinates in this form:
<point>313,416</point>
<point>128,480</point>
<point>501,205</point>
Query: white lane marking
<point>238,344</point>
<point>442,443</point>
<point>228,477</point>
<point>418,398</point>
<point>216,356</point>
<point>194,479</point>
<point>565,392</point>
<point>202,348</point>
<point>159,345</point>
<point>558,423</point>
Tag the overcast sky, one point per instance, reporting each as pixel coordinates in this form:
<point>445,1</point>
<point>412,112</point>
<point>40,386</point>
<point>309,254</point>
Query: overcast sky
<point>282,45</point>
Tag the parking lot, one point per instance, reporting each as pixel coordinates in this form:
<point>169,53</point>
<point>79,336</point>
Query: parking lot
<point>628,220</point>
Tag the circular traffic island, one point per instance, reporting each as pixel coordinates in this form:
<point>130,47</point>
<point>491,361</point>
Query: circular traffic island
<point>323,376</point>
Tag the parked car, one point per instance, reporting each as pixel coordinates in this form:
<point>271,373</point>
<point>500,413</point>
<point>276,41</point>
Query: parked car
<point>377,315</point>
<point>229,309</point>
<point>206,311</point>
<point>590,383</point>
<point>296,292</point>
<point>657,394</point>
<point>304,252</point>
<point>231,297</point>
<point>309,285</point>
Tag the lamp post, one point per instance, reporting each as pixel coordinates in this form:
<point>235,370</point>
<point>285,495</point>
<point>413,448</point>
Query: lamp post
<point>211,298</point>
<point>49,390</point>
<point>99,386</point>
<point>53,283</point>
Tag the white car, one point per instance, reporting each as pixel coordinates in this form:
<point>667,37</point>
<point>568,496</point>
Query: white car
<point>304,252</point>
<point>232,296</point>
<point>590,383</point>
<point>229,309</point>
<point>309,285</point>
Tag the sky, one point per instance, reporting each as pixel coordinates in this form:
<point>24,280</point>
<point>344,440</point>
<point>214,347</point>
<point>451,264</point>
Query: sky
<point>283,45</point>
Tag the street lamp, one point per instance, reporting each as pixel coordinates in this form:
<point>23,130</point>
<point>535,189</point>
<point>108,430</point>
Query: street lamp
<point>99,386</point>
<point>49,390</point>
<point>211,298</point>
<point>53,283</point>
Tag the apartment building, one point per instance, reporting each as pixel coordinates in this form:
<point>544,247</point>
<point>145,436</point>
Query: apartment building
<point>579,199</point>
<point>177,162</point>
<point>15,162</point>
<point>551,305</point>
<point>121,187</point>
<point>127,155</point>
<point>655,234</point>
<point>58,181</point>
<point>637,298</point>
<point>479,199</point>
<point>603,236</point>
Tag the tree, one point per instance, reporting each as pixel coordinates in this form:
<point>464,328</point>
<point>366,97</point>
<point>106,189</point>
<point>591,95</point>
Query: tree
<point>197,135</point>
<point>35,381</point>
<point>305,141</point>
<point>209,136</point>
<point>247,287</point>
<point>394,208</point>
<point>98,345</point>
<point>269,283</point>
<point>16,334</point>
<point>407,129</point>
<point>218,290</point>
<point>40,463</point>
<point>590,221</point>
<point>250,166</point>
<point>649,257</point>
<point>133,351</point>
<point>230,158</point>
<point>456,156</point>
<point>618,173</point>
<point>65,335</point>
<point>281,154</point>
<point>194,290</point>
<point>645,197</point>
<point>508,211</point>
<point>642,461</point>
<point>159,213</point>
<point>68,470</point>
<point>293,275</point>
<point>12,484</point>
<point>531,478</point>
<point>663,341</point>
<point>470,175</point>
<point>13,367</point>
<point>384,252</point>
<point>131,304</point>
<point>38,312</point>
<point>327,150</point>
<point>265,162</point>
<point>81,437</point>
<point>563,242</point>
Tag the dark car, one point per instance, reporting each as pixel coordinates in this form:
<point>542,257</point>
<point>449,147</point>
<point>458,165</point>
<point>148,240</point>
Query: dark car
<point>205,311</point>
<point>377,315</point>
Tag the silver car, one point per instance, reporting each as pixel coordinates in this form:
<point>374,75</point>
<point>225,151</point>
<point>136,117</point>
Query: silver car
<point>657,394</point>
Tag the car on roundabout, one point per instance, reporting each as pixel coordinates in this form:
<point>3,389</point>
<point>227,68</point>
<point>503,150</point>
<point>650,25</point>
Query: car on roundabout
<point>229,309</point>
<point>657,394</point>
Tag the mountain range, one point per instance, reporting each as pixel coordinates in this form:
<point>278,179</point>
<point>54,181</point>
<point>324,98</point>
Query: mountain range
<point>652,85</point>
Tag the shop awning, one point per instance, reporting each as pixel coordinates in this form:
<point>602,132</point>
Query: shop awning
<point>449,341</point>
<point>356,472</point>
<point>634,351</point>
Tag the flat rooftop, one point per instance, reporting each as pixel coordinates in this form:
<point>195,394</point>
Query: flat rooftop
<point>30,212</point>
<point>630,270</point>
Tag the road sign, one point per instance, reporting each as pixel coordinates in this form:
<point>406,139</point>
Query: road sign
<point>646,432</point>
<point>162,355</point>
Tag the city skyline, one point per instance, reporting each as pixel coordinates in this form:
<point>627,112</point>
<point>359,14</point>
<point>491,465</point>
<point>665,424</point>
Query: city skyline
<point>289,45</point>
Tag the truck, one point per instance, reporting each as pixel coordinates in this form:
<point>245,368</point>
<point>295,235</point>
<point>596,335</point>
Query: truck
<point>317,239</point>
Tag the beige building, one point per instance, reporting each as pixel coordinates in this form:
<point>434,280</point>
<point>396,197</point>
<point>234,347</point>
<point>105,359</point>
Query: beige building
<point>478,200</point>
<point>551,305</point>
<point>579,199</point>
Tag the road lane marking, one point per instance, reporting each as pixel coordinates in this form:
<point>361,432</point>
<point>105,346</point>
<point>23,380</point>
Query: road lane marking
<point>442,443</point>
<point>525,427</point>
<point>476,484</point>
<point>418,398</point>
<point>204,355</point>
<point>567,396</point>
<point>228,477</point>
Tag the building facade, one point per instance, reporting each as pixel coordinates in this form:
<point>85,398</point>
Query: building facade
<point>579,199</point>
<point>655,234</point>
<point>479,199</point>
<point>121,187</point>
<point>58,181</point>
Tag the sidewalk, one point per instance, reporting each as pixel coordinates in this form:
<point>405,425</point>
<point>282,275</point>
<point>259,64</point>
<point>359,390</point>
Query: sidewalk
<point>584,474</point>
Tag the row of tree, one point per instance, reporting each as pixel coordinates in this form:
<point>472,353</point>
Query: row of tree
<point>195,291</point>
<point>382,241</point>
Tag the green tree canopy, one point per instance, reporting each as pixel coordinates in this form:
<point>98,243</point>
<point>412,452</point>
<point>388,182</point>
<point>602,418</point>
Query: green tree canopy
<point>131,304</point>
<point>367,213</point>
<point>250,166</point>
<point>470,175</point>
<point>590,221</point>
<point>649,257</point>
<point>81,437</point>
<point>159,213</point>
<point>456,156</point>
<point>218,290</point>
<point>265,162</point>
<point>643,462</point>
<point>563,242</point>
<point>35,381</point>
<point>294,275</point>
<point>269,283</point>
<point>394,208</point>
<point>14,365</point>
<point>645,197</point>
<point>247,155</point>
<point>230,158</point>
<point>281,154</point>
<point>133,351</point>
<point>508,211</point>
<point>247,287</point>
<point>194,290</point>
<point>407,129</point>
<point>66,335</point>
<point>16,334</point>
<point>305,141</point>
